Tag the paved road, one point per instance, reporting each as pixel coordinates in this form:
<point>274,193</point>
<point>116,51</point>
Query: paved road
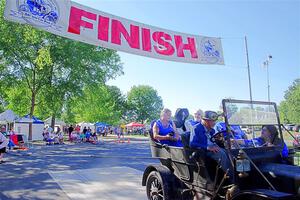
<point>76,171</point>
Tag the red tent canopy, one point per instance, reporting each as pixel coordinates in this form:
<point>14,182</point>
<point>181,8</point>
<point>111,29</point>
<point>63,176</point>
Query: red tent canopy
<point>134,124</point>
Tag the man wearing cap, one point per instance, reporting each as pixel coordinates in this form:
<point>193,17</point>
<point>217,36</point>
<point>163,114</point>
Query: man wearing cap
<point>201,139</point>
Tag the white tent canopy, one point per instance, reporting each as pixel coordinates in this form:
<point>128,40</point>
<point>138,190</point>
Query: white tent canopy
<point>8,116</point>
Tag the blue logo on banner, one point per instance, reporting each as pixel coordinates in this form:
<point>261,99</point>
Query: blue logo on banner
<point>42,13</point>
<point>209,50</point>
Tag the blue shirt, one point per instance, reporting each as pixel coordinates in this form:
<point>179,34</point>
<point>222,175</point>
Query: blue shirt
<point>238,133</point>
<point>259,142</point>
<point>193,122</point>
<point>201,138</point>
<point>164,131</point>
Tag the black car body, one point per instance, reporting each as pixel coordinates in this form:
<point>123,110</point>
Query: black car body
<point>187,173</point>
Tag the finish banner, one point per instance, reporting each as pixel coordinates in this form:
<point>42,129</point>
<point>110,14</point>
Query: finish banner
<point>78,22</point>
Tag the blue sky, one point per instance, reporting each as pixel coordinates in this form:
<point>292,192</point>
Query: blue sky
<point>271,27</point>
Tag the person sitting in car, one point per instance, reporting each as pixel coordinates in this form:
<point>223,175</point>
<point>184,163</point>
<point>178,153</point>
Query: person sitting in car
<point>164,130</point>
<point>201,140</point>
<point>269,137</point>
<point>197,117</point>
<point>237,132</point>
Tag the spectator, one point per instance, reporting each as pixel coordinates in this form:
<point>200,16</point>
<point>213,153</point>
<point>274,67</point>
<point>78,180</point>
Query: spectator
<point>94,136</point>
<point>77,128</point>
<point>3,143</point>
<point>82,137</point>
<point>50,138</point>
<point>70,130</point>
<point>3,131</point>
<point>61,137</point>
<point>50,129</point>
<point>45,134</point>
<point>103,132</point>
<point>12,136</point>
<point>74,137</point>
<point>58,130</point>
<point>84,130</point>
<point>88,134</point>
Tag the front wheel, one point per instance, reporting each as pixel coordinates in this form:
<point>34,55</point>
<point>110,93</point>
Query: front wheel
<point>156,188</point>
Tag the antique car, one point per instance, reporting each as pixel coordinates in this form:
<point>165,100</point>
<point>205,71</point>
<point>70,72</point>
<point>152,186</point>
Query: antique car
<point>39,8</point>
<point>260,172</point>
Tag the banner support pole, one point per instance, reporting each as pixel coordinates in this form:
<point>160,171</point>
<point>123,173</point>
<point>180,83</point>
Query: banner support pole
<point>248,67</point>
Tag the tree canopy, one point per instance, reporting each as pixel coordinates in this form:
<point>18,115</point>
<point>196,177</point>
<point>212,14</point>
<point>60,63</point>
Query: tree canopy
<point>144,103</point>
<point>42,71</point>
<point>290,107</point>
<point>99,103</point>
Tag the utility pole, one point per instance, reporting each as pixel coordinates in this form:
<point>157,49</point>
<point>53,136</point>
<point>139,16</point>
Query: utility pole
<point>266,64</point>
<point>248,67</point>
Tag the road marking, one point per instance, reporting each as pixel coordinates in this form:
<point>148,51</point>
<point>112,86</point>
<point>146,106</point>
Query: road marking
<point>115,183</point>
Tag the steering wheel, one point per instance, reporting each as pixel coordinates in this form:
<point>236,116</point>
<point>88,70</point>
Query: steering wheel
<point>215,135</point>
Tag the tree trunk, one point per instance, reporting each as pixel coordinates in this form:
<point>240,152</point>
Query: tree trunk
<point>53,121</point>
<point>31,114</point>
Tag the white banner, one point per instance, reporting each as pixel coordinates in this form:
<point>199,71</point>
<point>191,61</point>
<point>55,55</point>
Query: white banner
<point>78,22</point>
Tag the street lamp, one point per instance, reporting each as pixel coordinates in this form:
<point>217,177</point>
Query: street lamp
<point>266,65</point>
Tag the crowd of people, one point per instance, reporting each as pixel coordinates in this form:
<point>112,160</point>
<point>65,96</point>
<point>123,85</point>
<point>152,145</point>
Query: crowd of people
<point>53,137</point>
<point>78,136</point>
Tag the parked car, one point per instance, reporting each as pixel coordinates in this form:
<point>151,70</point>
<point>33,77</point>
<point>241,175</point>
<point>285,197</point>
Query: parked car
<point>297,128</point>
<point>289,127</point>
<point>296,142</point>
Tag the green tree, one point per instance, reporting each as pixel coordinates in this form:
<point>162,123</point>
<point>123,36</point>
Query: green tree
<point>77,65</point>
<point>18,98</point>
<point>53,68</point>
<point>99,103</point>
<point>144,103</point>
<point>290,107</point>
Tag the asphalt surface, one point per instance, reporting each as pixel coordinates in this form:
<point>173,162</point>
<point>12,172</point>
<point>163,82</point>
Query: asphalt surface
<point>39,173</point>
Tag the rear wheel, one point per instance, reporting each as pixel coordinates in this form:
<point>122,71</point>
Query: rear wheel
<point>156,188</point>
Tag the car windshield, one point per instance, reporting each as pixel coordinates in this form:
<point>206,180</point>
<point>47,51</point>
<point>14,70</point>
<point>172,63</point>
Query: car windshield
<point>250,113</point>
<point>258,119</point>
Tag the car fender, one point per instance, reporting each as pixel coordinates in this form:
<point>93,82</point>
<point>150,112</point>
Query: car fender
<point>162,170</point>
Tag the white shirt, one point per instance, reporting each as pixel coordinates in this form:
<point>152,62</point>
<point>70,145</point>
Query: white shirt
<point>3,140</point>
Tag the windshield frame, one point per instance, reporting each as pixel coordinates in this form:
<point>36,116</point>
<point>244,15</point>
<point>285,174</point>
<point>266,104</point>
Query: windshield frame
<point>224,101</point>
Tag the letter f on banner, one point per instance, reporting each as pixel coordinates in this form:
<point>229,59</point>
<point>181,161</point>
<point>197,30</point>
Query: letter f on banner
<point>75,21</point>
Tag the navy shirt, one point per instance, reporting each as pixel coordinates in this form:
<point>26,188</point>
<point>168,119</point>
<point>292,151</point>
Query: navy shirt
<point>201,138</point>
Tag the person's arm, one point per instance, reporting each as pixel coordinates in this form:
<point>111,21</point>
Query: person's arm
<point>176,136</point>
<point>4,140</point>
<point>156,134</point>
<point>239,141</point>
<point>244,136</point>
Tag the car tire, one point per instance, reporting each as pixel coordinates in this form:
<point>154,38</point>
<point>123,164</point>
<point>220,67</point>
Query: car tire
<point>156,188</point>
